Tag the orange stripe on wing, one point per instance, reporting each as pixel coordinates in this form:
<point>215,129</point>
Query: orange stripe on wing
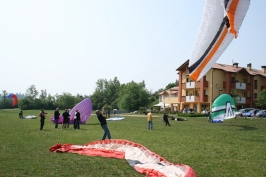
<point>194,76</point>
<point>231,16</point>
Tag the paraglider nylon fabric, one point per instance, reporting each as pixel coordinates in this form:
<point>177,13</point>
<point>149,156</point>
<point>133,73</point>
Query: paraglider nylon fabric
<point>220,23</point>
<point>223,108</point>
<point>85,109</point>
<point>138,157</point>
<point>15,98</point>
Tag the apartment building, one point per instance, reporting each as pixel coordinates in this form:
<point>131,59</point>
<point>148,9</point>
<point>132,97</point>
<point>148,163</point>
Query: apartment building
<point>245,82</point>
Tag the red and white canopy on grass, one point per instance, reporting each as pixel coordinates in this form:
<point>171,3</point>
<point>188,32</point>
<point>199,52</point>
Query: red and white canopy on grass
<point>138,157</point>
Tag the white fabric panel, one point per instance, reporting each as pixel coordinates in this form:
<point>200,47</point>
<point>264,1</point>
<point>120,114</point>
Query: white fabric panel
<point>212,18</point>
<point>240,13</point>
<point>228,39</point>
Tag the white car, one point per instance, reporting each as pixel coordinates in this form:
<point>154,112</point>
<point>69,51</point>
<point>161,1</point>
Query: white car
<point>240,112</point>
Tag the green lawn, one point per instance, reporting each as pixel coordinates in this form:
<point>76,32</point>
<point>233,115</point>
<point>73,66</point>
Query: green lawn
<point>236,147</point>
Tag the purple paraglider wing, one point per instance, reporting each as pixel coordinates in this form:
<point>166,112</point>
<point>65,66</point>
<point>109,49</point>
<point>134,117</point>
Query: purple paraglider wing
<point>60,120</point>
<point>85,108</point>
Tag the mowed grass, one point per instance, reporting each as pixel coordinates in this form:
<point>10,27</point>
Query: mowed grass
<point>236,147</point>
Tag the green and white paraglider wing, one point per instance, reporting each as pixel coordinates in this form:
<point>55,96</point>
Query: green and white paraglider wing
<point>223,107</point>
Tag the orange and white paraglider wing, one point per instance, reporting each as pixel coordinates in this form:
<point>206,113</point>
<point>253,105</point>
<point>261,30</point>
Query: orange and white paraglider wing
<point>220,24</point>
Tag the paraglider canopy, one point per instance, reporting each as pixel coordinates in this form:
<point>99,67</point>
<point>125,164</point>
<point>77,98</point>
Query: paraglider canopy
<point>221,22</point>
<point>15,99</point>
<point>85,109</point>
<point>223,107</point>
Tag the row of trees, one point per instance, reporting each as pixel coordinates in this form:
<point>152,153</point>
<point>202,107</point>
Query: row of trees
<point>109,94</point>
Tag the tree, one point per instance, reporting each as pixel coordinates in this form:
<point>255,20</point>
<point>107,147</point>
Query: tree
<point>234,95</point>
<point>4,94</point>
<point>106,93</point>
<point>171,85</point>
<point>133,95</point>
<point>43,94</point>
<point>25,103</point>
<point>66,100</point>
<point>261,99</point>
<point>32,92</point>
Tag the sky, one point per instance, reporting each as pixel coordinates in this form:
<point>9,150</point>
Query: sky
<point>65,46</point>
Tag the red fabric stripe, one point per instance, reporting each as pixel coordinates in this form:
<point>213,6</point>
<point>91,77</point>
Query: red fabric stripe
<point>101,151</point>
<point>149,172</point>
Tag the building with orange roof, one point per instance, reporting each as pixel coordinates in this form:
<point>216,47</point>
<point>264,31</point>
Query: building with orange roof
<point>170,97</point>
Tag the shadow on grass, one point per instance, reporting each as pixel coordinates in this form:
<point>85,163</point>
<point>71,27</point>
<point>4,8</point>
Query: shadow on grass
<point>244,127</point>
<point>91,124</point>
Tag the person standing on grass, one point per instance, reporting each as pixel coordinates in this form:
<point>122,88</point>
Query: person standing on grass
<point>20,114</point>
<point>103,122</point>
<point>254,113</point>
<point>65,119</point>
<point>150,124</point>
<point>56,117</point>
<point>42,116</point>
<point>76,120</point>
<point>68,118</point>
<point>165,118</point>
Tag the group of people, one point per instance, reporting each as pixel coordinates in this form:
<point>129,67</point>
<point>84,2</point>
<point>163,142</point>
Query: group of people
<point>150,123</point>
<point>66,119</point>
<point>101,118</point>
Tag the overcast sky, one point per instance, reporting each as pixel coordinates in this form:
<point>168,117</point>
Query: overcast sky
<point>66,46</point>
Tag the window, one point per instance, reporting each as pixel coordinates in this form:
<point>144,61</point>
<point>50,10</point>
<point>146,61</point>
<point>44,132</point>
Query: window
<point>232,79</point>
<point>255,96</point>
<point>255,84</point>
<point>189,80</point>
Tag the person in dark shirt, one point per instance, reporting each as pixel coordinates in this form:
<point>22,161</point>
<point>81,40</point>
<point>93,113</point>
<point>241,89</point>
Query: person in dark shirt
<point>20,114</point>
<point>68,118</point>
<point>165,118</point>
<point>42,116</point>
<point>65,119</point>
<point>76,120</point>
<point>56,117</point>
<point>103,122</point>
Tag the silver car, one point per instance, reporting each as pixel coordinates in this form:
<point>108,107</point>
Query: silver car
<point>240,112</point>
<point>261,113</point>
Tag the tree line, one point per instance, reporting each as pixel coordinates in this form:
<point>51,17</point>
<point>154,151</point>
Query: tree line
<point>109,94</point>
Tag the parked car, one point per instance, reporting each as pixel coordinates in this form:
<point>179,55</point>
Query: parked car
<point>240,112</point>
<point>249,113</point>
<point>261,113</point>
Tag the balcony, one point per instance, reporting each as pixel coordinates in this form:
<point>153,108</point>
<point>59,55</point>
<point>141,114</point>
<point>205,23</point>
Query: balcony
<point>190,85</point>
<point>193,99</point>
<point>241,100</point>
<point>238,85</point>
<point>241,86</point>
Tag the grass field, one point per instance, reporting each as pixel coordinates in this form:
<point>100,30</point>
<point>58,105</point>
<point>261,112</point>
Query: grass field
<point>235,148</point>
